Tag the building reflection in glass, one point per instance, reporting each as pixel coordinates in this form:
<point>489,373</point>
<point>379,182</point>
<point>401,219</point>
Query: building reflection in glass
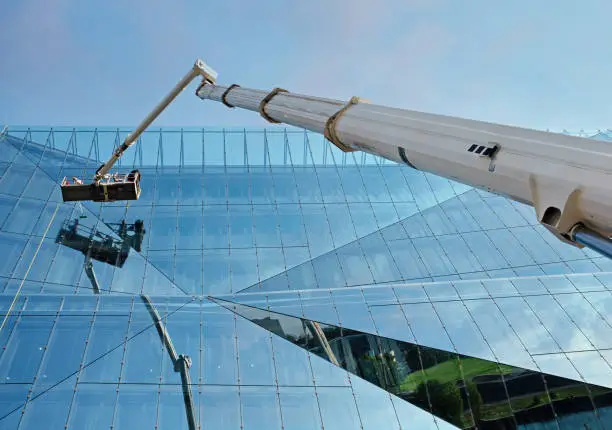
<point>466,391</point>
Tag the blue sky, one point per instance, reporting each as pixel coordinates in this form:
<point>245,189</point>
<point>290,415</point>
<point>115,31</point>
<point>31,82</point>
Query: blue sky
<point>541,64</point>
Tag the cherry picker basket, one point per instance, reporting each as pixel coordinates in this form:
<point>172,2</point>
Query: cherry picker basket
<point>109,189</point>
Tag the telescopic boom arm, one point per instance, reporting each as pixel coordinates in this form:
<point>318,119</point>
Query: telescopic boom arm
<point>567,179</point>
<point>198,69</point>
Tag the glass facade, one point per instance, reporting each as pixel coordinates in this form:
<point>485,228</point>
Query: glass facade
<point>266,280</point>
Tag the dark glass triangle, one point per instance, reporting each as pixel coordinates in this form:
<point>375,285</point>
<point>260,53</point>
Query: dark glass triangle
<point>466,391</point>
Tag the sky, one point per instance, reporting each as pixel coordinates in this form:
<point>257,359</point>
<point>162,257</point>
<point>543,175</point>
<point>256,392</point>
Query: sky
<point>541,64</point>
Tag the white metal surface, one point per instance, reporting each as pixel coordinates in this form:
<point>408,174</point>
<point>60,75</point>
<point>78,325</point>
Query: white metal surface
<point>567,179</point>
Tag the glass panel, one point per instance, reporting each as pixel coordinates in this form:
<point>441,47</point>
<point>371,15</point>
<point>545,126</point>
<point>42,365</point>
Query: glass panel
<point>241,226</point>
<point>216,271</point>
<point>12,399</point>
<point>341,224</point>
<point>260,408</point>
<point>590,323</point>
<point>285,186</point>
<point>558,324</point>
<point>498,333</point>
<point>238,186</point>
<point>214,186</point>
<point>381,262</point>
<point>15,178</point>
<point>332,190</point>
<point>49,410</point>
<point>426,326</point>
<point>506,212</point>
<point>189,230</point>
<point>352,310</point>
<point>25,349</point>
<point>459,216</point>
<point>353,264</point>
<point>291,225</point>
<point>533,334</point>
<point>219,347</point>
<point>437,221</point>
<point>533,243</point>
<point>262,186</point>
<point>459,254</point>
<point>254,354</point>
<point>144,351</point>
<point>163,228</point>
<point>214,148</point>
<point>24,216</point>
<point>93,406</point>
<point>482,213</point>
<point>136,407</point>
<point>171,408</point>
<point>235,147</point>
<point>329,270</point>
<point>510,247</point>
<point>352,184</point>
<point>167,188</point>
<point>409,261</point>
<point>266,226</point>
<point>64,349</point>
<point>586,282</point>
<point>300,408</point>
<point>243,268</point>
<point>592,367</point>
<point>308,185</point>
<point>391,322</point>
<point>338,408</point>
<point>292,363</point>
<point>376,409</point>
<point>215,227</point>
<point>433,257</point>
<point>270,262</point>
<point>363,218</point>
<point>104,349</point>
<point>466,337</point>
<point>190,186</point>
<point>317,228</point>
<point>486,251</point>
<point>219,408</point>
<point>192,147</point>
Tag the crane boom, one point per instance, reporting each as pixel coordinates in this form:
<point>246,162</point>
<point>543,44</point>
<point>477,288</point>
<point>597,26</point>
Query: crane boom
<point>567,179</point>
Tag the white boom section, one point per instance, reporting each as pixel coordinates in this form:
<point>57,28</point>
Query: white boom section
<point>567,179</point>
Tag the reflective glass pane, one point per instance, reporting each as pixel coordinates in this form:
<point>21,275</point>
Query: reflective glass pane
<point>65,349</point>
<point>219,347</point>
<point>49,410</point>
<point>136,406</point>
<point>93,406</point>
<point>338,408</point>
<point>300,408</point>
<point>219,408</point>
<point>25,349</point>
<point>189,228</point>
<point>260,408</point>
